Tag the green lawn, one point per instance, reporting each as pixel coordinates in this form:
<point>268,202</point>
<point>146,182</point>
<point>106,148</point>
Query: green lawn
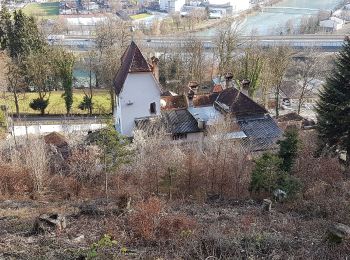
<point>56,105</point>
<point>140,16</point>
<point>49,10</point>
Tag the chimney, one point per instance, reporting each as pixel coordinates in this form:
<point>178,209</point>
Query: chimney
<point>228,80</point>
<point>201,123</point>
<point>155,68</point>
<point>193,85</point>
<point>190,96</point>
<point>245,86</point>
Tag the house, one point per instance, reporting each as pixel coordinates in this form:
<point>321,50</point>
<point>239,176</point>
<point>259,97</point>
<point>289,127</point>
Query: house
<point>332,24</point>
<point>171,6</point>
<point>236,5</point>
<point>137,90</point>
<point>68,8</point>
<point>141,105</point>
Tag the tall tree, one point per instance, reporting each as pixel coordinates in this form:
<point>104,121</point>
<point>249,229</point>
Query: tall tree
<point>64,63</point>
<point>195,59</point>
<point>225,44</point>
<point>5,27</point>
<point>24,37</point>
<point>40,74</point>
<point>279,59</point>
<point>250,66</point>
<point>333,107</point>
<point>305,71</point>
<point>15,81</point>
<point>112,37</point>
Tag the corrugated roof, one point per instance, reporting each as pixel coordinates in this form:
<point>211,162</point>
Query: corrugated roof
<point>132,61</point>
<point>238,104</point>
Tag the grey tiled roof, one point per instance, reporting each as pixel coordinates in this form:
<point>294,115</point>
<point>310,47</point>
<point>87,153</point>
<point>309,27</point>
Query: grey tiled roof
<point>262,132</point>
<point>180,121</point>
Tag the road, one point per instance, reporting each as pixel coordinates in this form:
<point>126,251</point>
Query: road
<point>326,42</point>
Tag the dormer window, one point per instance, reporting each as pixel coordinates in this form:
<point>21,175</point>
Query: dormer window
<point>153,108</point>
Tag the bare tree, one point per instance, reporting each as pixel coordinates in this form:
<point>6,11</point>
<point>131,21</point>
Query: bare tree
<point>41,74</point>
<point>113,35</point>
<point>35,159</point>
<point>250,66</point>
<point>279,59</point>
<point>15,82</point>
<point>195,59</point>
<point>306,71</point>
<point>225,45</point>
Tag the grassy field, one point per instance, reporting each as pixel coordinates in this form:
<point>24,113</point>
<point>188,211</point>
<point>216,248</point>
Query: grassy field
<point>139,16</point>
<point>49,10</point>
<point>56,105</point>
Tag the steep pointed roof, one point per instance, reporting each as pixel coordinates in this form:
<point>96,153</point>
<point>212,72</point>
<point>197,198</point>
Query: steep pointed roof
<point>131,61</point>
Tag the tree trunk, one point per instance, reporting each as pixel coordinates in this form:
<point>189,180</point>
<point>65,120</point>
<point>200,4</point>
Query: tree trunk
<point>16,103</point>
<point>277,99</point>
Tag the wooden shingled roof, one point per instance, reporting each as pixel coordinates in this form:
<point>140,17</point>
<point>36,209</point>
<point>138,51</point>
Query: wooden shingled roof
<point>131,61</point>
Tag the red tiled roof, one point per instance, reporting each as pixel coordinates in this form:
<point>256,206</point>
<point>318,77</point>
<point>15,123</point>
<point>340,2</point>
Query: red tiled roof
<point>132,61</point>
<point>204,100</point>
<point>174,102</point>
<point>217,88</point>
<point>239,104</point>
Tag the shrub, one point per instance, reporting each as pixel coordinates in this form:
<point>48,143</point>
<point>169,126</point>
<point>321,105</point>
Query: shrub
<point>266,173</point>
<point>86,104</point>
<point>173,226</point>
<point>268,176</point>
<point>39,104</point>
<point>14,180</point>
<point>288,149</point>
<point>145,219</point>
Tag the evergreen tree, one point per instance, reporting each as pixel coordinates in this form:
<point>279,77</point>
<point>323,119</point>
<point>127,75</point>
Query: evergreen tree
<point>64,62</point>
<point>288,149</point>
<point>333,108</point>
<point>24,37</point>
<point>5,27</point>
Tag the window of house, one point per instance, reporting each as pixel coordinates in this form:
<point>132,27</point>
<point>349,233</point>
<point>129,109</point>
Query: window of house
<point>152,108</point>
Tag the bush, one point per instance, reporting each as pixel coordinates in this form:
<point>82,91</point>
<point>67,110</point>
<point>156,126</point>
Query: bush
<point>266,173</point>
<point>14,180</point>
<point>144,220</point>
<point>288,149</point>
<point>39,104</point>
<point>268,176</point>
<point>86,104</point>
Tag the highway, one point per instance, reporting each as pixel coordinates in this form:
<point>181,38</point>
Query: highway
<point>326,42</point>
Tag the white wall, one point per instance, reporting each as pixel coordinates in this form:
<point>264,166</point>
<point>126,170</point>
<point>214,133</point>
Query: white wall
<point>20,130</point>
<point>237,5</point>
<point>141,90</point>
<point>171,5</point>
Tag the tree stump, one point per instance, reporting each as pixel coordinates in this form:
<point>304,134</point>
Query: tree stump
<point>338,233</point>
<point>49,223</point>
<point>267,204</point>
